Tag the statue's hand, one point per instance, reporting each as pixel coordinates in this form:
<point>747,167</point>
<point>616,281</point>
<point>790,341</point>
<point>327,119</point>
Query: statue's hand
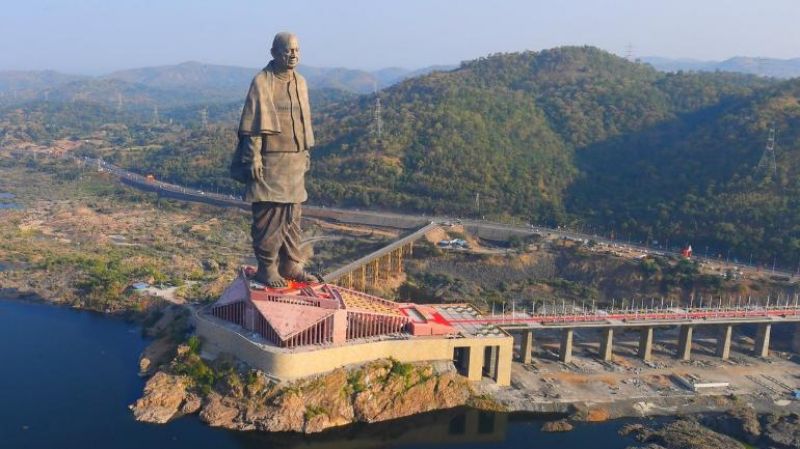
<point>256,169</point>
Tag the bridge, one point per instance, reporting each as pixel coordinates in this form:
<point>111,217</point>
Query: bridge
<point>526,324</point>
<point>378,266</point>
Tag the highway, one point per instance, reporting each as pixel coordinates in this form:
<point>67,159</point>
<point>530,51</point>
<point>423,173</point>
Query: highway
<point>481,228</point>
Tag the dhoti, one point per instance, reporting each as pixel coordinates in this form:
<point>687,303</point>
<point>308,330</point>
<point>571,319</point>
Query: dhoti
<point>276,233</point>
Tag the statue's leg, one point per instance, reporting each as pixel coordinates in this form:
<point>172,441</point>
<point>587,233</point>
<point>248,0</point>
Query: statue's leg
<point>291,255</point>
<point>268,223</point>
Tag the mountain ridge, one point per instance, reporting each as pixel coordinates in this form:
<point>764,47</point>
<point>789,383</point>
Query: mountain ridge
<point>774,67</point>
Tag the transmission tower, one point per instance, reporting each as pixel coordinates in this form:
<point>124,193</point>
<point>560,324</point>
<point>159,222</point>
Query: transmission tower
<point>762,69</point>
<point>204,117</point>
<point>377,118</point>
<point>767,161</point>
<point>629,52</point>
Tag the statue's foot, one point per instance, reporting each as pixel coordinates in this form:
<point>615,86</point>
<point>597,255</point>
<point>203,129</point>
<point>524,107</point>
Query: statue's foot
<point>269,277</point>
<point>298,274</point>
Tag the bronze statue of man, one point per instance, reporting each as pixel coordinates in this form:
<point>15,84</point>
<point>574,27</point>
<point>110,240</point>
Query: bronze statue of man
<point>272,158</point>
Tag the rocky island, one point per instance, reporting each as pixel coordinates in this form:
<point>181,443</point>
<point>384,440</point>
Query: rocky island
<point>227,397</point>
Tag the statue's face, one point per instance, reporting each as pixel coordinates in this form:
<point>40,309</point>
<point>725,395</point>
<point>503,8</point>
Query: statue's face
<point>288,53</point>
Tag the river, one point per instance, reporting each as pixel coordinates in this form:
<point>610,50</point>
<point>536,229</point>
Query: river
<point>67,377</point>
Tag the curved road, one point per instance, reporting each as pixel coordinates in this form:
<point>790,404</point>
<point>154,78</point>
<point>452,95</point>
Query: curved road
<point>485,229</point>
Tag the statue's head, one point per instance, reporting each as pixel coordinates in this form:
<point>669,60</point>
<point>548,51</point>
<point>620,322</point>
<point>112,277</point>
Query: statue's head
<point>285,50</point>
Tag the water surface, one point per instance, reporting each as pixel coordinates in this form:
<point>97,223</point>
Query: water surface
<point>69,375</point>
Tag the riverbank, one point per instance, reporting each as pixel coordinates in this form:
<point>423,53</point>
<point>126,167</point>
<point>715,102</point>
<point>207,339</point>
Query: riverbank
<point>227,394</point>
<point>79,397</point>
<point>97,380</point>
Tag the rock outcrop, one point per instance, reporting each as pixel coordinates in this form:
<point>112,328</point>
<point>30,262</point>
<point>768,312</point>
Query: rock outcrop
<point>378,391</point>
<point>686,434</point>
<point>782,431</point>
<point>164,396</point>
<point>561,425</point>
<point>740,422</point>
<point>154,355</point>
<point>770,430</point>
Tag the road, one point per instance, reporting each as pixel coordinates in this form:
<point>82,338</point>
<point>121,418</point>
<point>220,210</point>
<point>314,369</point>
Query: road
<point>481,228</point>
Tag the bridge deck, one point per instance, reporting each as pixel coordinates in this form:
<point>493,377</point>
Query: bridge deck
<point>356,264</point>
<point>668,317</point>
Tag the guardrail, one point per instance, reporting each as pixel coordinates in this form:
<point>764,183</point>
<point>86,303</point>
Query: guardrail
<point>607,317</point>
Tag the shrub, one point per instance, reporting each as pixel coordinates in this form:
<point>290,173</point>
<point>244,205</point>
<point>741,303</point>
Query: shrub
<point>194,344</point>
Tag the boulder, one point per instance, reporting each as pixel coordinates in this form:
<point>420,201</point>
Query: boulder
<point>561,425</point>
<point>218,412</point>
<point>164,394</point>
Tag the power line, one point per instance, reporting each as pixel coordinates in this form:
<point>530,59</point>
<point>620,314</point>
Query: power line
<point>629,52</point>
<point>204,118</point>
<point>767,161</point>
<point>377,117</point>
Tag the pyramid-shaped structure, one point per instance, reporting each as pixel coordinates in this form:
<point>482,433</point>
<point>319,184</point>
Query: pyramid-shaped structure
<point>289,319</point>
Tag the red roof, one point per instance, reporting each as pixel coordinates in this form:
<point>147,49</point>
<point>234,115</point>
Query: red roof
<point>289,319</point>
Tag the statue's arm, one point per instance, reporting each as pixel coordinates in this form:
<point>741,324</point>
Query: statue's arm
<point>251,153</point>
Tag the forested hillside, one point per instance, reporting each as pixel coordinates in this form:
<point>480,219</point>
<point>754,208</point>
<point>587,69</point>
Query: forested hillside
<point>569,136</point>
<point>508,127</point>
<point>696,179</point>
<point>579,136</point>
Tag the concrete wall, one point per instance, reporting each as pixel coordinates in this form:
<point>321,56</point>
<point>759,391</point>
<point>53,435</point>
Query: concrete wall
<point>289,365</point>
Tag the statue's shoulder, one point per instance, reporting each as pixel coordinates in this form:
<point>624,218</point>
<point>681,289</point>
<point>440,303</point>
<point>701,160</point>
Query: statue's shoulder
<point>262,75</point>
<point>260,81</point>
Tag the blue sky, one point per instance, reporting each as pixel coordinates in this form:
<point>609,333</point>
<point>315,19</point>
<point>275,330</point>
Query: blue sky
<point>97,36</point>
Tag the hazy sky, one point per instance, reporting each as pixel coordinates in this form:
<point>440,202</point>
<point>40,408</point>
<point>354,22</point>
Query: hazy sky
<point>96,36</point>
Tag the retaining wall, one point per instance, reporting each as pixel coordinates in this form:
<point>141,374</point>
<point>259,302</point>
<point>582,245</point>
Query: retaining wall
<point>288,365</point>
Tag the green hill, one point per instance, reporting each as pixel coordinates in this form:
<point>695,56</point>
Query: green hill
<point>508,127</point>
<point>572,135</point>
<point>695,179</point>
<point>577,136</point>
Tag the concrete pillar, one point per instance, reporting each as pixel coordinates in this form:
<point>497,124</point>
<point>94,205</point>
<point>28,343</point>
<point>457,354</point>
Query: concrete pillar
<point>685,343</point>
<point>762,340</point>
<point>474,363</point>
<point>607,344</point>
<point>565,354</point>
<point>526,347</point>
<point>503,363</point>
<point>646,344</point>
<point>724,341</point>
<point>490,357</point>
<point>471,418</point>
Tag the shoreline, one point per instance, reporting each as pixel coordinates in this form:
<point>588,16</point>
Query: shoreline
<point>641,407</point>
<point>648,407</point>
